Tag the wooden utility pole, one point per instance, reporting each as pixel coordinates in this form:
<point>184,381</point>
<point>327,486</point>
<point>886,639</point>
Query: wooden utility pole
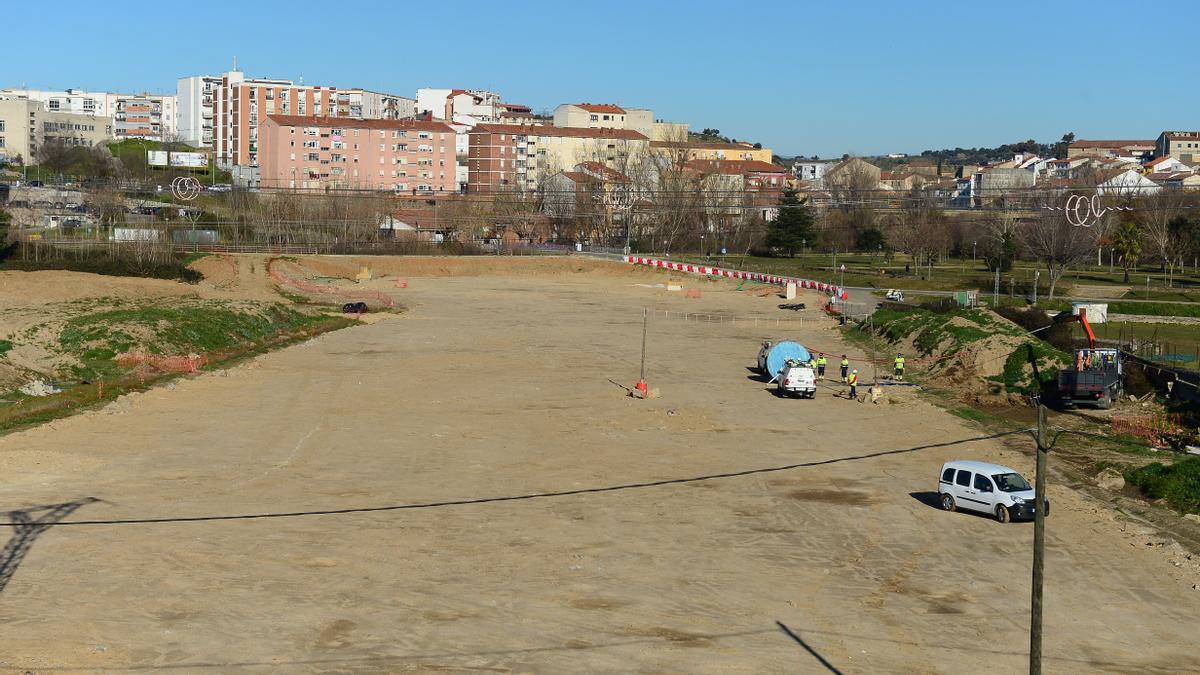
<point>1039,546</point>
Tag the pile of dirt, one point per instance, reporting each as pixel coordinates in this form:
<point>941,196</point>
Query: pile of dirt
<point>980,356</point>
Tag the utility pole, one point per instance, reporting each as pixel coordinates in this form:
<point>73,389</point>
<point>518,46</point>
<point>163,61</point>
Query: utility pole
<point>1039,546</point>
<point>1037,275</point>
<point>996,291</point>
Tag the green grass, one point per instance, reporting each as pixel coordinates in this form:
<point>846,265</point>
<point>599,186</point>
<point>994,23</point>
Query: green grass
<point>862,269</point>
<point>1178,483</point>
<point>5,346</point>
<point>929,329</point>
<point>1017,376</point>
<point>95,339</point>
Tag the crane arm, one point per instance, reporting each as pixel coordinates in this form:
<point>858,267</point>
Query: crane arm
<point>1087,327</point>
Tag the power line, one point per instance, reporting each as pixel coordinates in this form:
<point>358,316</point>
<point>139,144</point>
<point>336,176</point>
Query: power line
<point>526,496</point>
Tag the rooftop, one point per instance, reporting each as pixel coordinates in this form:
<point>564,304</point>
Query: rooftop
<point>543,130</point>
<point>732,167</point>
<point>355,123</point>
<point>1111,144</point>
<point>601,108</point>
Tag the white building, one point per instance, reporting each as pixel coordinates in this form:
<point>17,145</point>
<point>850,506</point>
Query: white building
<point>811,169</point>
<point>147,116</point>
<point>195,95</point>
<point>479,105</point>
<point>1128,183</point>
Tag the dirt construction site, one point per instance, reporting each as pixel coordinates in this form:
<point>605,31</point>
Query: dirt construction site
<point>466,485</point>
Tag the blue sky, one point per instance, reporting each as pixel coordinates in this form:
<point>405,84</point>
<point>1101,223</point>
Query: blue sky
<point>801,77</point>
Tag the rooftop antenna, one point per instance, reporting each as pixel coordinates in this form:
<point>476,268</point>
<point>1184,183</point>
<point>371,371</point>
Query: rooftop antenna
<point>235,64</point>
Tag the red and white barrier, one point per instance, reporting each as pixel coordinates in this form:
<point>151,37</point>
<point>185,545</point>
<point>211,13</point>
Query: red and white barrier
<point>706,270</point>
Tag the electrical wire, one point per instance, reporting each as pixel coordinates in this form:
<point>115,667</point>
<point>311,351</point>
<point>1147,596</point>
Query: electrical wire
<point>522,497</point>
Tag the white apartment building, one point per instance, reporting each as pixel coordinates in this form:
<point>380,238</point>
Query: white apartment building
<point>146,116</point>
<point>195,95</point>
<point>473,106</point>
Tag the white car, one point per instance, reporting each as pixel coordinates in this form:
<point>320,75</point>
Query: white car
<point>895,295</point>
<point>797,379</point>
<point>988,488</point>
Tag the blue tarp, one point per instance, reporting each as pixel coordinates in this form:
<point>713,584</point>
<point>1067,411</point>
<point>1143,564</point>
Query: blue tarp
<point>781,352</point>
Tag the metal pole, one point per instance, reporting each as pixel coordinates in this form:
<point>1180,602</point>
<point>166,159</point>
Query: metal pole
<point>996,291</point>
<point>1037,275</point>
<point>1039,547</point>
<point>645,319</point>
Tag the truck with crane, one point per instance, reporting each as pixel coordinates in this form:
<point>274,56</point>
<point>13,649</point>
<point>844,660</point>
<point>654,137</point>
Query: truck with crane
<point>1094,377</point>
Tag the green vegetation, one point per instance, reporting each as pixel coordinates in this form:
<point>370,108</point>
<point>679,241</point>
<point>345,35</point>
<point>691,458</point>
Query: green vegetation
<point>1017,376</point>
<point>1178,483</point>
<point>932,329</point>
<point>95,339</point>
<point>5,346</point>
<point>103,263</point>
<point>792,227</point>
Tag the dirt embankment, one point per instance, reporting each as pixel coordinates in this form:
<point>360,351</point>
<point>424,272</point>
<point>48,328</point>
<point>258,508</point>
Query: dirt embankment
<point>977,354</point>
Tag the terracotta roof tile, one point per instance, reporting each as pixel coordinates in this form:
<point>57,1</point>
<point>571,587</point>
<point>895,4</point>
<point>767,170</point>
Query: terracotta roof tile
<point>601,108</point>
<point>355,123</point>
<point>546,130</point>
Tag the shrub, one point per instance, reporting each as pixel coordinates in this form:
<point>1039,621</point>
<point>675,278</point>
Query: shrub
<point>1178,483</point>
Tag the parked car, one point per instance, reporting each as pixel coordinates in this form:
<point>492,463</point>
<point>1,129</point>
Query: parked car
<point>797,379</point>
<point>895,295</point>
<point>987,488</point>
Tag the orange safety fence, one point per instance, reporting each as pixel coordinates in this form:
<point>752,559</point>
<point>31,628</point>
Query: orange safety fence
<point>309,287</point>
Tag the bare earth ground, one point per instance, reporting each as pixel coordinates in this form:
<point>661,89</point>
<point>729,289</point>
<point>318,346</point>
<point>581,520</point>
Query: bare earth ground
<point>500,386</point>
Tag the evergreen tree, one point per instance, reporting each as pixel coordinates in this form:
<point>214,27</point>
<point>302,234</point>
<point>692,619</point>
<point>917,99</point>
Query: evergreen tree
<point>792,227</point>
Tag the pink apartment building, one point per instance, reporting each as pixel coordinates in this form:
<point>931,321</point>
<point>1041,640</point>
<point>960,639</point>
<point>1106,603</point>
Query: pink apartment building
<point>408,155</point>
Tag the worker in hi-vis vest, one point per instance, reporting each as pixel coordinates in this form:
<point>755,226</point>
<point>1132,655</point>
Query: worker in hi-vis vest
<point>845,368</point>
<point>899,366</point>
<point>821,361</point>
<point>854,384</point>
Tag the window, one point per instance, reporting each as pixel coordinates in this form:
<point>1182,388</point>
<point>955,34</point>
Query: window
<point>948,476</point>
<point>594,118</point>
<point>982,483</point>
<point>963,478</point>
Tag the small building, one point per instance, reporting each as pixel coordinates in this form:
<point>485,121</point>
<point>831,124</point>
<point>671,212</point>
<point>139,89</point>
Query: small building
<point>1182,145</point>
<point>1126,183</point>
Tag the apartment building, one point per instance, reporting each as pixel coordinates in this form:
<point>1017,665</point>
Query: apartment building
<point>195,95</point>
<point>25,125</point>
<point>306,152</point>
<point>1182,145</point>
<point>699,150</point>
<point>240,104</point>
<point>145,116</point>
<point>445,104</point>
<point>504,157</point>
<point>611,116</point>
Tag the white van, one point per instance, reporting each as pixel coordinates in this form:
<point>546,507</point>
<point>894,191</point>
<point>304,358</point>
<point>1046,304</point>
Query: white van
<point>987,488</point>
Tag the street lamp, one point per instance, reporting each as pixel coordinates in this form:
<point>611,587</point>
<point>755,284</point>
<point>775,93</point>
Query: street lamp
<point>972,254</point>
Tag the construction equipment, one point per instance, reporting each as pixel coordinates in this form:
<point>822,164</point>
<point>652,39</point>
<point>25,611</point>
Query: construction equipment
<point>773,356</point>
<point>1095,377</point>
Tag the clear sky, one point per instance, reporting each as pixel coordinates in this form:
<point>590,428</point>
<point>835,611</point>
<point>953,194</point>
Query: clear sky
<point>802,77</point>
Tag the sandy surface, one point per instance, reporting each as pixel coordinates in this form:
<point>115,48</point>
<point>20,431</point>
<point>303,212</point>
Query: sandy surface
<point>500,386</point>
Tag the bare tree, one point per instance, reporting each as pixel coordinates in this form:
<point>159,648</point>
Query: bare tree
<point>1057,244</point>
<point>1156,214</point>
